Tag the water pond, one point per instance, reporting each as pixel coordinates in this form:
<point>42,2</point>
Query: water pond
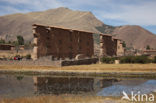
<point>14,86</point>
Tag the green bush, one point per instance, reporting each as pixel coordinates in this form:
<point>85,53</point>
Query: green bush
<point>135,59</point>
<point>108,60</point>
<point>28,56</point>
<point>129,59</point>
<point>154,59</point>
<point>20,40</point>
<point>2,41</point>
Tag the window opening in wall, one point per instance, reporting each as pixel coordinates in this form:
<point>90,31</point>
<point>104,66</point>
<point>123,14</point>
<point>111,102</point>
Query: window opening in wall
<point>48,46</point>
<point>70,55</point>
<point>70,47</point>
<point>80,48</point>
<point>60,41</point>
<point>48,38</point>
<point>87,43</point>
<point>80,40</point>
<point>70,37</point>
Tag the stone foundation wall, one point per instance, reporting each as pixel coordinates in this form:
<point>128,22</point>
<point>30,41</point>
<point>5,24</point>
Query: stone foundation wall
<point>79,62</point>
<point>30,63</point>
<point>6,47</point>
<point>48,61</point>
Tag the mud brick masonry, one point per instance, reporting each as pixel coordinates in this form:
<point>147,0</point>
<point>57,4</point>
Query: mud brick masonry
<point>67,43</point>
<point>110,46</point>
<point>61,43</point>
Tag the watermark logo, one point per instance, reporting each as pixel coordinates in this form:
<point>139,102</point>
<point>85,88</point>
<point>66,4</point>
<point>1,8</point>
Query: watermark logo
<point>138,97</point>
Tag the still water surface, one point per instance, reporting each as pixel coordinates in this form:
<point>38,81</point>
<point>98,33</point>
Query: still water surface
<point>13,86</point>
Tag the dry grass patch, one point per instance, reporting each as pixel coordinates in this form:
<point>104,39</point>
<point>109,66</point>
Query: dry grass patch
<point>91,68</point>
<point>63,99</point>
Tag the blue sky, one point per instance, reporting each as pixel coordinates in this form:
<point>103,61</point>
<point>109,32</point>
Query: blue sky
<point>111,12</point>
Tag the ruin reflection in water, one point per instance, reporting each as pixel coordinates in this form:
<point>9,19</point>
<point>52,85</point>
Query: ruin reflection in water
<point>69,85</point>
<point>25,86</point>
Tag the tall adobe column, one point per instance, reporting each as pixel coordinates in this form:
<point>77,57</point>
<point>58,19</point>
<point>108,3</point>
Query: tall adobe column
<point>102,46</point>
<point>35,49</point>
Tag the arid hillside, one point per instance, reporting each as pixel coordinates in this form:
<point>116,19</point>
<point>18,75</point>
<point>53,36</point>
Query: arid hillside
<point>21,24</point>
<point>135,36</point>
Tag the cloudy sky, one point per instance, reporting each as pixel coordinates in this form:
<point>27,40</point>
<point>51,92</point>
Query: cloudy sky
<point>111,12</point>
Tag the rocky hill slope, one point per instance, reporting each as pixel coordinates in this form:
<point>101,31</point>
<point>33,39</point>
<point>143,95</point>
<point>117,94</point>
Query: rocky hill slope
<point>21,24</point>
<point>135,36</point>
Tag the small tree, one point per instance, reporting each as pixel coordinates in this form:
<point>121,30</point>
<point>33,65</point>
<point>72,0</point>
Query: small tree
<point>16,44</point>
<point>2,41</point>
<point>20,40</point>
<point>155,59</point>
<point>148,47</point>
<point>28,56</point>
<point>124,44</point>
<point>9,42</point>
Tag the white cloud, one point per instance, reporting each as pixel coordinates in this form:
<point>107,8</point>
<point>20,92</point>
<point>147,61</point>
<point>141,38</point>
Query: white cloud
<point>16,1</point>
<point>140,14</point>
<point>14,6</point>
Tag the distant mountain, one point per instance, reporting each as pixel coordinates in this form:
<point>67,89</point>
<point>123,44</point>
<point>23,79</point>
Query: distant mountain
<point>21,24</point>
<point>135,36</point>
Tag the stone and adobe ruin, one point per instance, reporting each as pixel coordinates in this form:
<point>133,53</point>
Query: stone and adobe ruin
<point>61,43</point>
<point>120,49</point>
<point>65,47</point>
<point>110,46</point>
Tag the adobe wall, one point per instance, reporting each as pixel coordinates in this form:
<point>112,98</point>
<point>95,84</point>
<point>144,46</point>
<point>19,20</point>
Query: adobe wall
<point>108,46</point>
<point>61,43</point>
<point>120,48</point>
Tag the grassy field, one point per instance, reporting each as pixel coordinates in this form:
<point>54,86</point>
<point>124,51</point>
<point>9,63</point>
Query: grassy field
<point>89,68</point>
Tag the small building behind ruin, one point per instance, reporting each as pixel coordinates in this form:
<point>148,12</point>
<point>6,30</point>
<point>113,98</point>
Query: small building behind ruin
<point>150,52</point>
<point>61,43</point>
<point>6,47</point>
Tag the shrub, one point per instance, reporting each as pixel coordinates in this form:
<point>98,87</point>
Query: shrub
<point>135,59</point>
<point>108,60</point>
<point>20,40</point>
<point>154,59</point>
<point>28,56</point>
<point>2,41</point>
<point>19,77</point>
